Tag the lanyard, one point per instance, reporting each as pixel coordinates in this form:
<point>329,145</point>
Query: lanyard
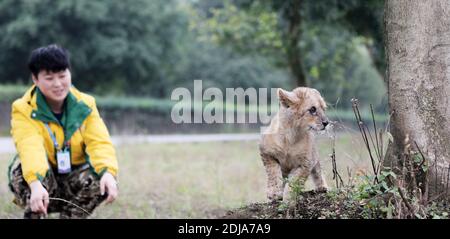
<point>52,135</point>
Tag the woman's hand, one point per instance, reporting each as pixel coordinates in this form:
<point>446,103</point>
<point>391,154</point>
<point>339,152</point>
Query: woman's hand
<point>39,198</point>
<point>109,184</point>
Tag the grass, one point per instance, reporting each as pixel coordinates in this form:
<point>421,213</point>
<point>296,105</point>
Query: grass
<point>193,180</point>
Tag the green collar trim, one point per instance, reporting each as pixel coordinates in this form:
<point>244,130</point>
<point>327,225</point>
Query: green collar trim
<point>75,112</point>
<point>43,111</point>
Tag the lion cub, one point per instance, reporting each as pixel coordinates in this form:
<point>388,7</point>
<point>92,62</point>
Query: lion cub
<point>287,146</point>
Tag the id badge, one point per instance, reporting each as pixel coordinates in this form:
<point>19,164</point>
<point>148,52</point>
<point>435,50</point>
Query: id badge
<point>63,158</point>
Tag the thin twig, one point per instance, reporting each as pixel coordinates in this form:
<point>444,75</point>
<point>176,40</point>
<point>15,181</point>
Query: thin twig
<point>436,197</point>
<point>375,129</point>
<point>389,121</point>
<point>336,175</point>
<point>402,195</point>
<point>423,157</point>
<point>350,177</point>
<point>364,135</point>
<point>381,144</point>
<point>373,143</point>
<point>71,203</point>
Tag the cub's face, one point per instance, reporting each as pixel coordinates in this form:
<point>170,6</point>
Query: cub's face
<point>303,108</point>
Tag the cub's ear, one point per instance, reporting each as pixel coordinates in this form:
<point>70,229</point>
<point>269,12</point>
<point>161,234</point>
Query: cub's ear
<point>316,91</point>
<point>286,98</point>
<point>323,104</point>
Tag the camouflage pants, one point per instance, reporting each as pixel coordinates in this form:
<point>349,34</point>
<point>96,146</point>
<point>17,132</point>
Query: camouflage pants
<point>80,187</point>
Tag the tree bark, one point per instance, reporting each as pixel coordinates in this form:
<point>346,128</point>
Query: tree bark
<point>293,36</point>
<point>417,37</point>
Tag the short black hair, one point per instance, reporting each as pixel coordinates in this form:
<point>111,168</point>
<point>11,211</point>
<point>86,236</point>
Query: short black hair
<point>51,58</point>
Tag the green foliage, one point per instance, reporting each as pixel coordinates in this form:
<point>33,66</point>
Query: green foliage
<point>339,66</point>
<point>114,44</point>
<point>156,46</point>
<point>297,187</point>
<point>388,197</point>
<point>340,56</point>
<point>254,30</point>
<point>140,47</point>
<point>376,198</point>
<point>435,211</point>
<point>223,68</point>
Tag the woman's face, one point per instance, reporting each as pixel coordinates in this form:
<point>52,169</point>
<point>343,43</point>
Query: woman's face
<point>54,85</point>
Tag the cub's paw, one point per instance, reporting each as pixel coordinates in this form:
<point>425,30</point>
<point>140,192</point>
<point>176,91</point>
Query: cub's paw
<point>322,189</point>
<point>275,197</point>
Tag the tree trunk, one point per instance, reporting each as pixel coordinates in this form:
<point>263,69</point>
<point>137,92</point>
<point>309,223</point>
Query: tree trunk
<point>418,78</point>
<point>293,36</point>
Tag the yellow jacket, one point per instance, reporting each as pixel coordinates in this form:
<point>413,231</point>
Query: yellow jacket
<point>81,123</point>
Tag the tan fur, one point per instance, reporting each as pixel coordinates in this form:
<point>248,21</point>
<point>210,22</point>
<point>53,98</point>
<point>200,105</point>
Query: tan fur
<point>287,146</point>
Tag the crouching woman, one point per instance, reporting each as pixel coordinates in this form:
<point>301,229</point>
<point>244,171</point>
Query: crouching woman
<point>65,160</point>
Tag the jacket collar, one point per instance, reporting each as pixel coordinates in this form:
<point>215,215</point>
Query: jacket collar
<point>75,110</point>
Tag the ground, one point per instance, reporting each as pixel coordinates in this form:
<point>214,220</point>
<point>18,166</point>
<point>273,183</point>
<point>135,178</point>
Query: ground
<point>194,180</point>
<point>310,205</point>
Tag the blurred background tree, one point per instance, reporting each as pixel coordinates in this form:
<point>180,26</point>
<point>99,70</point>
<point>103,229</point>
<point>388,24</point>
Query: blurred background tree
<point>335,46</point>
<point>115,45</point>
<point>148,48</point>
